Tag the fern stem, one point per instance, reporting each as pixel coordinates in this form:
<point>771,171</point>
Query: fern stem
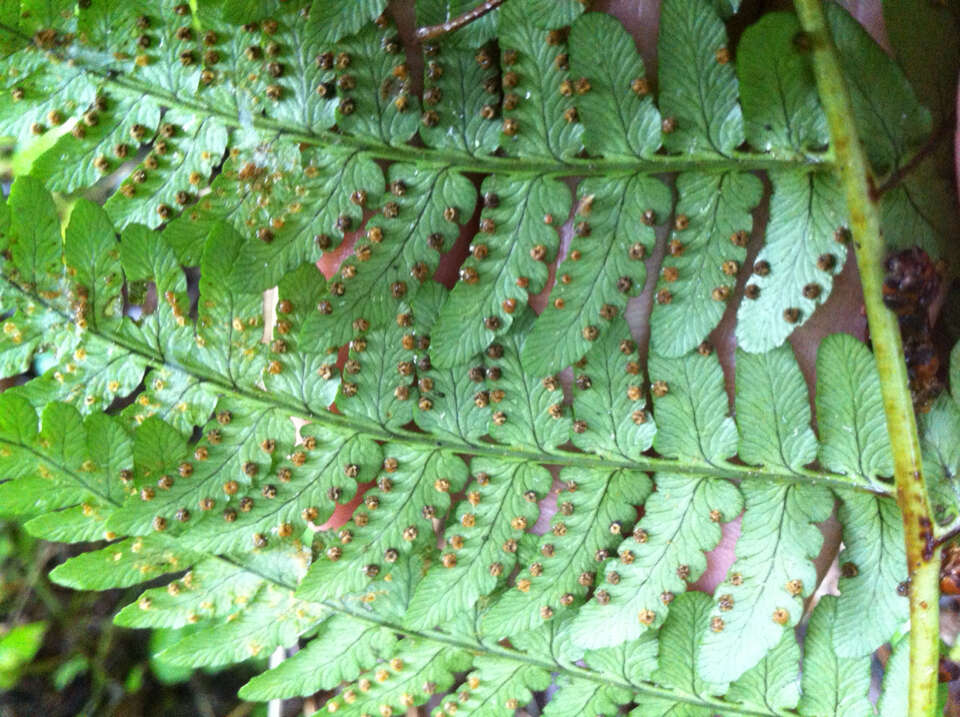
<point>857,178</point>
<point>442,158</point>
<point>718,469</point>
<point>495,649</point>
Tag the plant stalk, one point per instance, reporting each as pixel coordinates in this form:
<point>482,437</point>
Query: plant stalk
<point>923,558</point>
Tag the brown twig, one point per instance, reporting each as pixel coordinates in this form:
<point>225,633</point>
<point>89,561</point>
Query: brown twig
<point>944,131</point>
<point>430,32</point>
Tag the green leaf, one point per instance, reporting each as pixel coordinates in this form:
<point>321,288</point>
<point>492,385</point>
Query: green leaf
<point>307,373</point>
<point>608,404</point>
<point>419,663</point>
<point>396,253</point>
<point>617,119</point>
<point>506,270</point>
<point>832,685</point>
<point>698,91</point>
<point>33,237</point>
<point>503,686</point>
<point>780,105</point>
<point>213,589</point>
<point>593,511</point>
<point>926,43</point>
<point>679,647</point>
<point>455,395</point>
<point>333,19</point>
<point>873,565</point>
<point>633,661</point>
<point>774,683</point>
<point>393,524</point>
<point>601,271</point>
<point>125,563</point>
<point>703,259</point>
<point>681,521</point>
<point>692,415</point>
<point>773,411</point>
<point>172,173</point>
<point>17,649</point>
<point>896,686</point>
<point>898,124</point>
<point>543,121</point>
<point>370,108</point>
<point>258,629</point>
<point>459,90</point>
<point>793,273</point>
<point>762,594</point>
<point>498,510</point>
<point>580,697</point>
<point>850,418</point>
<point>526,412</point>
<point>341,650</point>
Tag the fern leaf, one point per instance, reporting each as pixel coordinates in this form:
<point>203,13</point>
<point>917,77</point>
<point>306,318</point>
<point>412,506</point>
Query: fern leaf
<point>895,692</point>
<point>377,374</point>
<point>887,134</point>
<point>33,236</point>
<point>593,511</point>
<point>464,94</point>
<point>706,249</point>
<point>681,521</point>
<point>691,411</point>
<point>793,273</point>
<point>601,271</point>
<point>81,157</point>
<point>832,685</point>
<point>774,683</point>
<point>526,412</point>
<point>341,651</point>
<point>272,619</point>
<point>773,412</point>
<point>369,104</point>
<point>502,686</point>
<point>615,123</point>
<point>581,697</point>
<point>175,171</point>
<point>679,648</point>
<point>779,96</point>
<point>850,419</point>
<point>608,404</point>
<point>496,280</point>
<point>124,563</point>
<point>211,590</point>
<point>400,250</point>
<point>761,595</point>
<point>543,122</point>
<point>395,523</point>
<point>65,473</point>
<point>501,504</point>
<point>420,669</point>
<point>455,396</point>
<point>333,19</point>
<point>941,455</point>
<point>873,565</point>
<point>632,662</point>
<point>92,256</point>
<point>307,375</point>
<point>698,86</point>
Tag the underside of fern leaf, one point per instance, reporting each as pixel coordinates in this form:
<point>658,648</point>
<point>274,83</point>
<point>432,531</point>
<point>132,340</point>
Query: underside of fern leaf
<point>226,289</point>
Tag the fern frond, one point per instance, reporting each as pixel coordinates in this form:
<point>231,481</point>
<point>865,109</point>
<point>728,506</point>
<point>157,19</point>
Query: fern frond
<point>198,393</point>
